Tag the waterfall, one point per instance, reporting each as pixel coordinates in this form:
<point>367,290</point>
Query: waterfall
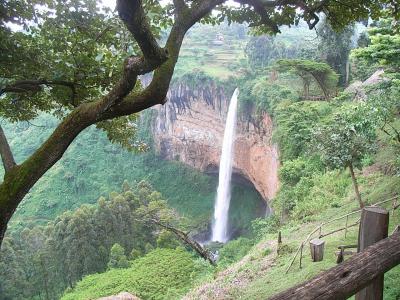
<point>222,201</point>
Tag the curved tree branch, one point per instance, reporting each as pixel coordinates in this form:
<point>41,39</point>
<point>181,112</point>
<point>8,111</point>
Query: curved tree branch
<point>23,86</point>
<point>133,15</point>
<point>5,152</point>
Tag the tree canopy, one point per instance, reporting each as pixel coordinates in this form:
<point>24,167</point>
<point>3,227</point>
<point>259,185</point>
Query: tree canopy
<point>384,47</point>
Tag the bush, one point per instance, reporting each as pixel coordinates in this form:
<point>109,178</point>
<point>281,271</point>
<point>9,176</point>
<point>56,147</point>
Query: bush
<point>320,192</point>
<point>167,239</point>
<point>263,226</point>
<point>312,194</point>
<point>293,170</point>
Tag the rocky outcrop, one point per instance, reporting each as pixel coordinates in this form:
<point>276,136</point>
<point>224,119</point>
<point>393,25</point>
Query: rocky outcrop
<point>190,128</point>
<point>358,89</point>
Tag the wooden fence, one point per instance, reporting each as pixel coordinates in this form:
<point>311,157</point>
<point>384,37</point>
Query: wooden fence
<point>344,228</point>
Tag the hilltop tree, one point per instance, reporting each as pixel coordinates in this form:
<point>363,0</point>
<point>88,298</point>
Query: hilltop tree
<point>76,61</point>
<point>309,70</point>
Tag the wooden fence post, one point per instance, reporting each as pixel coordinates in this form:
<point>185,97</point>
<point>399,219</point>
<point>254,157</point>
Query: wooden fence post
<point>278,248</point>
<point>374,225</point>
<point>317,250</point>
<point>301,253</point>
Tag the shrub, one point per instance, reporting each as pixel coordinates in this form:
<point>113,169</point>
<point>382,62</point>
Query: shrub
<point>263,226</point>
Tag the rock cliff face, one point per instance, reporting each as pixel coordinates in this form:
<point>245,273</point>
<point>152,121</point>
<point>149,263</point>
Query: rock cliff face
<point>190,129</point>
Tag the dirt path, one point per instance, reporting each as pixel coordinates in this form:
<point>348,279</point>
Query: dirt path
<point>228,283</point>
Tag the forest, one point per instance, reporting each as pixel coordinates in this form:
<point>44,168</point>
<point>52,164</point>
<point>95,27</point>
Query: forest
<point>114,135</point>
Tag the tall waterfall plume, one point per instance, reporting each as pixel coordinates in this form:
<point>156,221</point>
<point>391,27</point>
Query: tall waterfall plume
<point>222,201</point>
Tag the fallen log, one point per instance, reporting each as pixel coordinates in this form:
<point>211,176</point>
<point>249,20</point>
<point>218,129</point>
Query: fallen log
<point>183,236</point>
<point>351,276</point>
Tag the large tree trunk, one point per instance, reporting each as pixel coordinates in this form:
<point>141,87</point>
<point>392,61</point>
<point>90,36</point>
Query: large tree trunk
<point>351,276</point>
<point>355,185</point>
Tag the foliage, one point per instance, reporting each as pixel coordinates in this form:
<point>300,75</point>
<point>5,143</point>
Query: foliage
<point>161,274</point>
<point>84,241</point>
<point>263,50</point>
<point>292,171</point>
<point>384,46</point>
<point>318,193</point>
<point>95,43</point>
<point>347,139</point>
<point>268,96</point>
<point>263,226</point>
<point>167,239</point>
<point>295,124</point>
<point>382,106</point>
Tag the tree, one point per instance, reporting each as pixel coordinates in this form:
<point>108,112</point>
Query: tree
<point>346,140</point>
<point>309,70</point>
<point>262,50</point>
<point>91,78</point>
<point>334,48</point>
<point>118,258</point>
<point>384,46</point>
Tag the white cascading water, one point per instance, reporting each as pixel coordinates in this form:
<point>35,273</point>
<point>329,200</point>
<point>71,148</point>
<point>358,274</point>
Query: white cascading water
<point>222,201</point>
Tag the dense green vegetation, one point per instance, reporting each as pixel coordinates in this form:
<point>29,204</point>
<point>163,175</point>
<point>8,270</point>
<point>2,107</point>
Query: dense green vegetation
<point>79,235</point>
<point>161,274</point>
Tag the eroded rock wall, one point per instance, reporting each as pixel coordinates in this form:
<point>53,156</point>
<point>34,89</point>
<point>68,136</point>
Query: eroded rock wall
<point>190,129</point>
